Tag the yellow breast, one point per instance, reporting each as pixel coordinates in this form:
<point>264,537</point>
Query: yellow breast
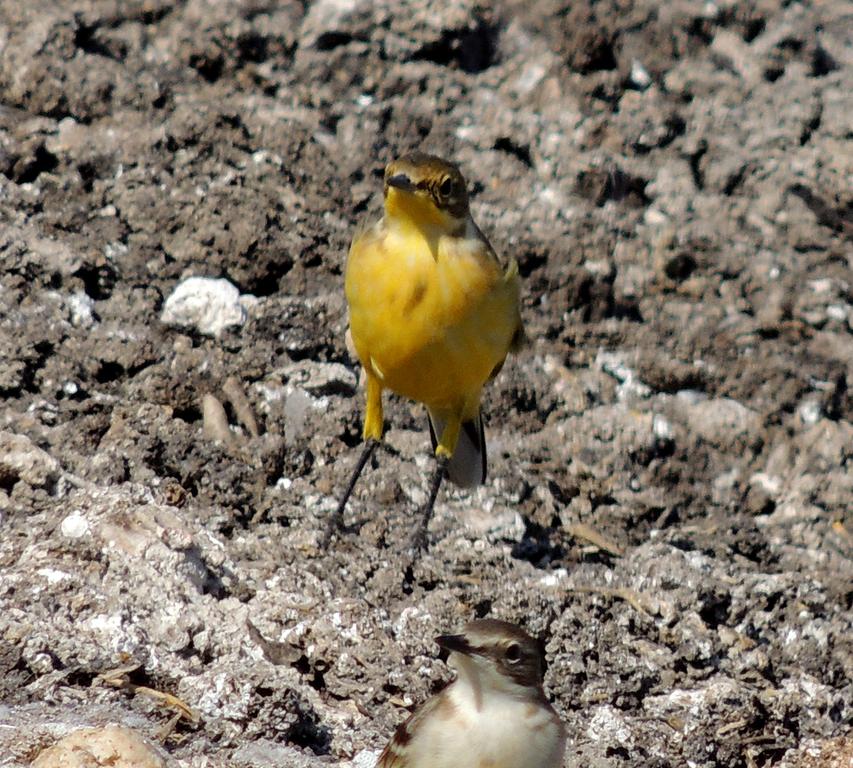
<point>431,319</point>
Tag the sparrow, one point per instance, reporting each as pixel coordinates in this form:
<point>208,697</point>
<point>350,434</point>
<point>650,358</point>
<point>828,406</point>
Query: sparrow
<point>494,714</point>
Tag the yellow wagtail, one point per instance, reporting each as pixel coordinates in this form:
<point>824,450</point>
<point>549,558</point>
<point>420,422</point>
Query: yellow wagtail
<point>433,313</point>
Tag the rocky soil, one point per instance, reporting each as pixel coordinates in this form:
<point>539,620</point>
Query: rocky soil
<point>670,503</point>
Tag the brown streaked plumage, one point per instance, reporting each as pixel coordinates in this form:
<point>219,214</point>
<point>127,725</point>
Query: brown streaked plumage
<point>494,714</point>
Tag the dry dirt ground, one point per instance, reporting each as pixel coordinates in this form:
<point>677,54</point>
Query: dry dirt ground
<point>670,503</point>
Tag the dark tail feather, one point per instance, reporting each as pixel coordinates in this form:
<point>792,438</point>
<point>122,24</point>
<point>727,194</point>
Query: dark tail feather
<point>467,467</point>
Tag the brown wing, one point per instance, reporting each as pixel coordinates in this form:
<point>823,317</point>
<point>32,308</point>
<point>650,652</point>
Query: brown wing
<point>510,268</point>
<point>474,230</point>
<point>397,752</point>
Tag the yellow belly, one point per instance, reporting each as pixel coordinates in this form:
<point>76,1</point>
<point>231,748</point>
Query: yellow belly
<point>430,322</point>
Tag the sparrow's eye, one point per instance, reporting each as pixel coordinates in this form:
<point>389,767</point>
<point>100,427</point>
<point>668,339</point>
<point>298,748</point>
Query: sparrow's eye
<point>447,187</point>
<point>513,653</point>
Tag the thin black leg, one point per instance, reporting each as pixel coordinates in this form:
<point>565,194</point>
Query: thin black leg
<point>419,540</point>
<point>335,521</point>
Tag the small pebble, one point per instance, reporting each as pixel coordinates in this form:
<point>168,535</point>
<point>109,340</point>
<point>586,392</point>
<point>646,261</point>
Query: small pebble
<point>74,526</point>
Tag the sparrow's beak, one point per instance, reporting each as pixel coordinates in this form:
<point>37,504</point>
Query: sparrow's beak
<point>401,181</point>
<point>455,643</point>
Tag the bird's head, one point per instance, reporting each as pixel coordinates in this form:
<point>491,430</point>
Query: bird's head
<point>499,654</point>
<point>426,191</point>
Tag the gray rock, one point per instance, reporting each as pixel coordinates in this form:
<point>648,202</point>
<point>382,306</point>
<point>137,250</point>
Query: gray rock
<point>21,460</point>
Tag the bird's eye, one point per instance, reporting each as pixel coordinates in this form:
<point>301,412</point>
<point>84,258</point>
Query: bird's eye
<point>513,653</point>
<point>446,188</point>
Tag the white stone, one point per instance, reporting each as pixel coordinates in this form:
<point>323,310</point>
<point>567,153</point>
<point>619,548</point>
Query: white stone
<point>367,758</point>
<point>661,427</point>
<point>80,305</point>
<point>206,304</point>
<point>630,385</point>
<point>74,526</point>
<point>52,575</point>
<point>639,75</point>
<point>810,411</point>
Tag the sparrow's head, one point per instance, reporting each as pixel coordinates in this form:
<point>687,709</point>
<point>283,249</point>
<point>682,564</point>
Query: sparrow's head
<point>500,654</point>
<point>426,190</point>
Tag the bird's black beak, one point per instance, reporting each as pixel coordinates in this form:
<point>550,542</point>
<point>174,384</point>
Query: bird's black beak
<point>401,181</point>
<point>455,644</point>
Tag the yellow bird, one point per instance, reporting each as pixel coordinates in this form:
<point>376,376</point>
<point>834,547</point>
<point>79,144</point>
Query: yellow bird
<point>433,314</point>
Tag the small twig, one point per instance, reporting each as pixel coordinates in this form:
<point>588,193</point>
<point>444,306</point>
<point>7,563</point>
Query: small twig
<point>233,390</point>
<point>588,533</point>
<point>118,679</point>
<point>632,597</point>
